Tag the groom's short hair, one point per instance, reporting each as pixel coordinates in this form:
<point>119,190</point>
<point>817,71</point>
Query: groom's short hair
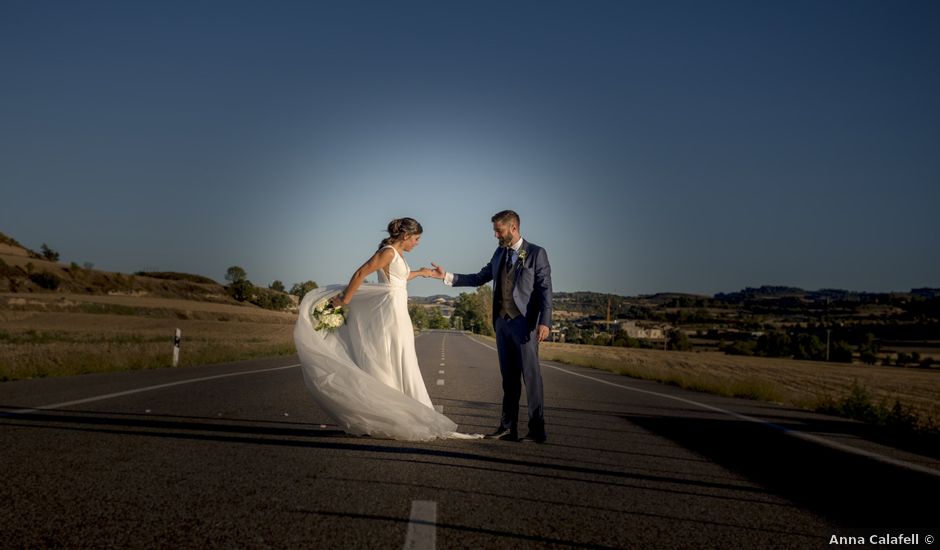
<point>506,216</point>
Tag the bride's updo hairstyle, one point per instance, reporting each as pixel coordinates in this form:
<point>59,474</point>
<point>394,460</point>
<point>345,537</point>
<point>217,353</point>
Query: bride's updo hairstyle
<point>401,229</point>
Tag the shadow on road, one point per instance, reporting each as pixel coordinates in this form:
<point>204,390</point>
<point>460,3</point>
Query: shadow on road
<point>458,456</point>
<point>518,538</point>
<point>851,490</point>
<point>116,424</point>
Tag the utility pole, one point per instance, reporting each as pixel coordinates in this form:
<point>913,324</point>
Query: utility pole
<point>608,313</point>
<point>610,336</point>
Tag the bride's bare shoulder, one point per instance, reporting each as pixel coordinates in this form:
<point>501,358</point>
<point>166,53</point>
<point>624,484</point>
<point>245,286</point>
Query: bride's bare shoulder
<point>385,254</point>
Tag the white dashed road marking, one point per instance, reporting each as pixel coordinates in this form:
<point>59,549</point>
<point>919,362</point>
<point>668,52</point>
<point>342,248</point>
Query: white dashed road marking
<point>422,529</point>
<point>140,390</point>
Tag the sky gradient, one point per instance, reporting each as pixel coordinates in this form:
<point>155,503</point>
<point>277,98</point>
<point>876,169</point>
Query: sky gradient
<point>649,146</point>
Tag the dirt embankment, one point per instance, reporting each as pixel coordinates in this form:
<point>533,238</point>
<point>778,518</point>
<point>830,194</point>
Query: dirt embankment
<point>61,320</point>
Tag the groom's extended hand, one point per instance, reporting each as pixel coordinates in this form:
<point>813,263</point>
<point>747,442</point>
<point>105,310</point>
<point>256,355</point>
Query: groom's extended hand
<point>543,333</point>
<point>438,271</point>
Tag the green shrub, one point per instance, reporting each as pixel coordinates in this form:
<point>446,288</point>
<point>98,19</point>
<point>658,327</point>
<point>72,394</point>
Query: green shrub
<point>267,298</point>
<point>174,276</point>
<point>300,289</point>
<point>8,270</point>
<point>739,347</point>
<point>46,280</point>
<point>48,253</point>
<point>841,352</point>
<point>859,405</point>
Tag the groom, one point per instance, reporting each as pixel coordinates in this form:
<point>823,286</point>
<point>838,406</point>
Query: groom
<point>522,317</point>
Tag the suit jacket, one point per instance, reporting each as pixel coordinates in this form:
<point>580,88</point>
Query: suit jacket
<point>533,283</point>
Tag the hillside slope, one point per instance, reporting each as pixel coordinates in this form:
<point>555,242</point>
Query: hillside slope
<point>25,271</point>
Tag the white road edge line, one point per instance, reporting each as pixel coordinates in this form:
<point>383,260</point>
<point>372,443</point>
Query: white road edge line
<point>440,382</point>
<point>799,435</point>
<point>422,527</point>
<point>139,390</point>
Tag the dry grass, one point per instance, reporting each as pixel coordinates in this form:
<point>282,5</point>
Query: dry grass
<point>806,384</point>
<point>56,334</point>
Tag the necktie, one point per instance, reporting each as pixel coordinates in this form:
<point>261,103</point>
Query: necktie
<point>508,259</point>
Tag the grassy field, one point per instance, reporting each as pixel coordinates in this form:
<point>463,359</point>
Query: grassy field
<point>58,334</point>
<point>877,394</point>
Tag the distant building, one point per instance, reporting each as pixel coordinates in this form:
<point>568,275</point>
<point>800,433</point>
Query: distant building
<point>642,332</point>
<point>446,307</point>
<point>633,329</point>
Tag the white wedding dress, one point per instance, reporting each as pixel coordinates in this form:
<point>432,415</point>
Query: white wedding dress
<point>365,374</point>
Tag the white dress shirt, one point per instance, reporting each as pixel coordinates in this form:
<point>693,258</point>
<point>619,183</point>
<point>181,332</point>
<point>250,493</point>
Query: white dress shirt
<point>514,248</point>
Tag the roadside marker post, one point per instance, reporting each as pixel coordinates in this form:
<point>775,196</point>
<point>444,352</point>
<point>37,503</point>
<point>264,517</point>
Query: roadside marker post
<point>176,348</point>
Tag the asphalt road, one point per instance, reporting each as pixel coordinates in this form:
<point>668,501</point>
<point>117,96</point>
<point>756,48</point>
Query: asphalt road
<point>237,455</point>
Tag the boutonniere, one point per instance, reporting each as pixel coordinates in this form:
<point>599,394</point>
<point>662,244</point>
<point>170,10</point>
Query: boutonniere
<point>522,255</point>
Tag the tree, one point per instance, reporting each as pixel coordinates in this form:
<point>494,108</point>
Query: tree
<point>241,290</point>
<point>574,335</point>
<point>48,253</point>
<point>622,340</point>
<point>436,319</point>
<point>419,317</point>
<point>601,339</point>
<point>268,298</point>
<point>301,289</point>
<point>739,347</point>
<point>476,309</point>
<point>235,274</point>
<point>868,349</point>
<point>841,352</point>
<point>808,346</point>
<point>240,287</point>
<point>278,286</point>
<point>774,343</point>
<point>678,341</point>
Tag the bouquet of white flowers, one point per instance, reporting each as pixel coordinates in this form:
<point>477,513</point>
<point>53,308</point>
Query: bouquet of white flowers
<point>325,316</point>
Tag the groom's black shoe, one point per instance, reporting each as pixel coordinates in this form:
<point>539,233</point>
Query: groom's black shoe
<point>504,434</point>
<point>537,438</point>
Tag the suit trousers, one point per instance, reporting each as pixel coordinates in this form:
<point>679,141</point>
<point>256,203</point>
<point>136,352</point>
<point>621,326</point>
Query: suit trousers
<point>518,350</point>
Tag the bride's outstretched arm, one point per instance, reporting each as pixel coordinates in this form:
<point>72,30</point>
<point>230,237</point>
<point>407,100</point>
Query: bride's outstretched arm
<point>423,272</point>
<point>380,260</point>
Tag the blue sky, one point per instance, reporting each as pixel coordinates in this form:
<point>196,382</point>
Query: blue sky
<point>648,146</point>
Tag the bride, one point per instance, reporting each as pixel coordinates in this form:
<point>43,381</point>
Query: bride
<point>365,373</point>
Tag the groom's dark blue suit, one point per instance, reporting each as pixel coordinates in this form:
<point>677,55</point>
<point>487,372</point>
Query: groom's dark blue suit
<point>530,305</point>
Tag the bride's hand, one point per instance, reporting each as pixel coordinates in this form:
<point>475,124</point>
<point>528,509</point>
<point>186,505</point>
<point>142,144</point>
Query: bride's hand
<point>438,271</point>
<point>337,301</point>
